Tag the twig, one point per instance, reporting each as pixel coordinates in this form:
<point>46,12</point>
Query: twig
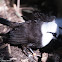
<point>9,49</point>
<point>3,46</point>
<point>18,5</point>
<point>17,13</point>
<point>5,12</point>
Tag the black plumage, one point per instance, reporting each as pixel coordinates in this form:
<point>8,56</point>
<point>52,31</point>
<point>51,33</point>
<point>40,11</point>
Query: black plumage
<point>27,33</point>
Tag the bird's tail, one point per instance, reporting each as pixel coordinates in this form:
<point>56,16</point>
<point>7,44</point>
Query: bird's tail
<point>2,34</point>
<point>8,23</point>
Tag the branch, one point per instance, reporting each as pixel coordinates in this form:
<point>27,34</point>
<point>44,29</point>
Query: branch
<point>18,5</point>
<point>17,13</point>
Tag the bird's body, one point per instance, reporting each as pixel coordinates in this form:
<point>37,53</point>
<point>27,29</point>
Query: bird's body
<point>30,33</point>
<point>36,33</point>
<point>26,34</point>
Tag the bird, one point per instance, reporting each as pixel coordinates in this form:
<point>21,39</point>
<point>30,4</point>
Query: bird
<point>35,33</point>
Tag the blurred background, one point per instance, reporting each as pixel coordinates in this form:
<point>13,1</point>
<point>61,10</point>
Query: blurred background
<point>50,7</point>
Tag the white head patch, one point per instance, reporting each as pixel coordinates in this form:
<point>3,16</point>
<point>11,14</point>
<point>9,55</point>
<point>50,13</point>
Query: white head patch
<point>45,28</point>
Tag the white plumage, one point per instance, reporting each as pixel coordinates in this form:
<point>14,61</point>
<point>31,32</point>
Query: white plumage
<point>48,27</point>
